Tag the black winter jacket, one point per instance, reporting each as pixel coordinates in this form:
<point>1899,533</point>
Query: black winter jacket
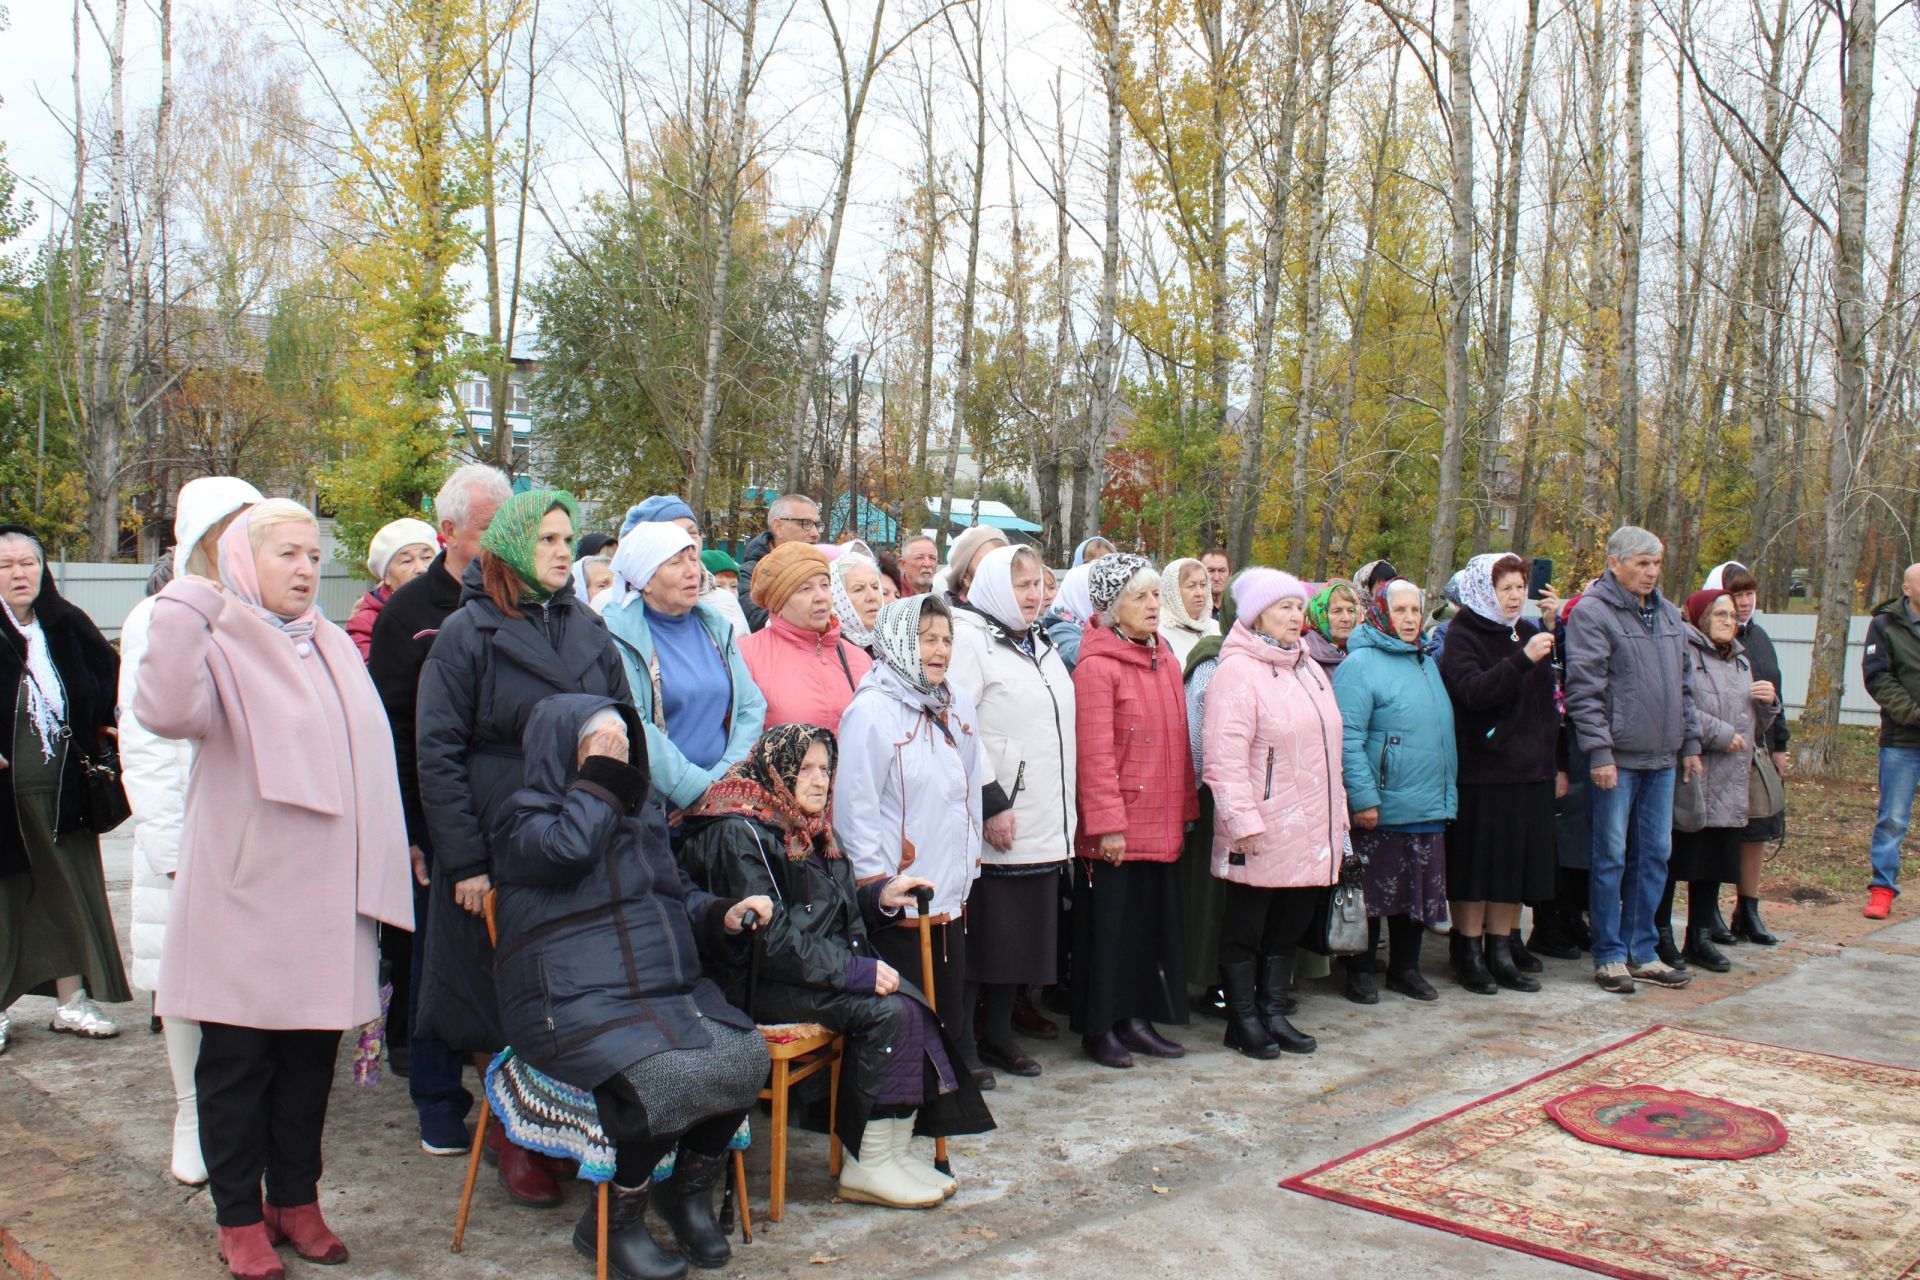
<point>601,933</point>
<point>1504,716</point>
<point>482,679</point>
<point>89,671</point>
<point>403,635</point>
<point>1890,668</point>
<point>749,561</point>
<point>1765,662</point>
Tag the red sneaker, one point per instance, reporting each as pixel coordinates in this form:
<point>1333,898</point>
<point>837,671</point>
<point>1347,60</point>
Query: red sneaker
<point>1879,903</point>
<point>248,1253</point>
<point>312,1238</point>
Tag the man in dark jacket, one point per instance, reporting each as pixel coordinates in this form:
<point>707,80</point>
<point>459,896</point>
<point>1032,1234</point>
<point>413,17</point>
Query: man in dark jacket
<point>1630,703</point>
<point>1890,669</point>
<point>793,517</point>
<point>402,635</point>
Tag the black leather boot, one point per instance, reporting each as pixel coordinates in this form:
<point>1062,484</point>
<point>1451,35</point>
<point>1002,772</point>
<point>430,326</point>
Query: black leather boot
<point>1550,936</point>
<point>1245,1031</point>
<point>1363,980</point>
<point>1664,947</point>
<point>1747,926</point>
<point>685,1202</point>
<point>1501,968</point>
<point>632,1253</point>
<point>1404,937</point>
<point>1472,973</point>
<point>1717,931</point>
<point>1456,943</point>
<point>1523,959</point>
<point>1701,952</point>
<point>1273,1004</point>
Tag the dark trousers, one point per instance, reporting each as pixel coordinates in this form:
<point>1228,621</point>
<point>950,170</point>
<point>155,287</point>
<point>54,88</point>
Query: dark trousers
<point>635,1159</point>
<point>899,946</point>
<point>263,1106</point>
<point>1404,936</point>
<point>433,1080</point>
<point>1265,922</point>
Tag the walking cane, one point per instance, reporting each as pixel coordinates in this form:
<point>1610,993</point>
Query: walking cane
<point>923,902</point>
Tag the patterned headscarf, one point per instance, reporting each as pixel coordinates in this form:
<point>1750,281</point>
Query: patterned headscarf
<point>1378,612</point>
<point>761,787</point>
<point>1476,587</point>
<point>514,534</point>
<point>896,640</point>
<point>855,631</point>
<point>1109,577</point>
<point>1322,602</point>
<point>1173,607</point>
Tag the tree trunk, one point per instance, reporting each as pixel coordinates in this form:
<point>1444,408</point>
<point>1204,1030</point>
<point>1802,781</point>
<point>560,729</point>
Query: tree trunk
<point>1303,400</point>
<point>1089,461</point>
<point>1453,438</point>
<point>1627,408</point>
<point>963,362</point>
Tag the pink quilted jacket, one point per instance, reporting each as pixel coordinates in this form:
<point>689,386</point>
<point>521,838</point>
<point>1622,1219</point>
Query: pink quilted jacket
<point>1135,768</point>
<point>1270,749</point>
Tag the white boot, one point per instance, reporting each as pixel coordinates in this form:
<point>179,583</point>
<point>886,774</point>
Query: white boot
<point>183,1050</point>
<point>924,1170</point>
<point>881,1178</point>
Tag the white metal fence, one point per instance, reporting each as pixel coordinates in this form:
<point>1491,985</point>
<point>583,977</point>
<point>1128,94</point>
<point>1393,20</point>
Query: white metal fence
<point>1793,638</point>
<point>108,592</point>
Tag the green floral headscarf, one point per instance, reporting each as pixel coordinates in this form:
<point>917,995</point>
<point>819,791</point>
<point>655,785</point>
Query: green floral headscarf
<point>1318,606</point>
<point>515,532</point>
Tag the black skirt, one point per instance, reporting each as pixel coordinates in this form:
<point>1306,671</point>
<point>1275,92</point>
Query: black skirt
<point>1203,900</point>
<point>1502,846</point>
<point>1129,959</point>
<point>1013,926</point>
<point>1712,853</point>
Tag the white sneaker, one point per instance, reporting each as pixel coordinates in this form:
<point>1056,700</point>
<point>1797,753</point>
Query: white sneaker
<point>80,1016</point>
<point>881,1178</point>
<point>189,1166</point>
<point>923,1170</point>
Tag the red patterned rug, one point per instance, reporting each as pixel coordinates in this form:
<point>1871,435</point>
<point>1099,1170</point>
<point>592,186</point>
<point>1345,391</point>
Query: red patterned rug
<point>1839,1201</point>
<point>1667,1122</point>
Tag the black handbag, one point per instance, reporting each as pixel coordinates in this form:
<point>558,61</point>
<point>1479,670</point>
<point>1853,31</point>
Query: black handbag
<point>107,805</point>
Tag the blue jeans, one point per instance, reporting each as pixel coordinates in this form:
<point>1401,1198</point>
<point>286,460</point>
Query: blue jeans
<point>1899,776</point>
<point>1629,874</point>
<point>433,1080</point>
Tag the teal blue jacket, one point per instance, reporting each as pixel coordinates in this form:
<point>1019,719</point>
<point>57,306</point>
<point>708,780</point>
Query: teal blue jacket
<point>678,780</point>
<point>1397,748</point>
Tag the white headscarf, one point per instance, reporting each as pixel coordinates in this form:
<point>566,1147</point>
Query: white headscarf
<point>856,632</point>
<point>1173,608</point>
<point>992,590</point>
<point>46,696</point>
<point>1073,599</point>
<point>643,549</point>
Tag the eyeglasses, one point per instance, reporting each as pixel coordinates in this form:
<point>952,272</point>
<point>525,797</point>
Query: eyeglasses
<point>805,522</point>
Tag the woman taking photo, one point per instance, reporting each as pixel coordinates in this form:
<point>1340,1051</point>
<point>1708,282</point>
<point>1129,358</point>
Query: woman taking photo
<point>766,830</point>
<point>1023,694</point>
<point>602,938</point>
<point>907,797</point>
<point>1399,765</point>
<point>1710,814</point>
<point>1501,852</point>
<point>858,594</point>
<point>1272,760</point>
<point>804,666</point>
<point>1738,581</point>
<point>287,862</point>
<point>1136,794</point>
<point>520,635</point>
<point>700,709</point>
<point>56,930</point>
<point>1332,615</point>
<point>1186,608</point>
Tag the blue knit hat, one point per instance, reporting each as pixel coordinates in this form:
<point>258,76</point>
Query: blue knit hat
<point>660,508</point>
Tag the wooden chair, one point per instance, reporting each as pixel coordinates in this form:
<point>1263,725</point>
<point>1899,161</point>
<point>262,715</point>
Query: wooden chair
<point>800,1050</point>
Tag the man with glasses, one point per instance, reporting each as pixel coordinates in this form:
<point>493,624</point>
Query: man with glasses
<point>793,517</point>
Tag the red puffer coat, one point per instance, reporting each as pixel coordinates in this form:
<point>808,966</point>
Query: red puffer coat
<point>1135,766</point>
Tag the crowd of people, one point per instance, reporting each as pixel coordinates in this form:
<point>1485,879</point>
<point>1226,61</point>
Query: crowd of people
<point>558,789</point>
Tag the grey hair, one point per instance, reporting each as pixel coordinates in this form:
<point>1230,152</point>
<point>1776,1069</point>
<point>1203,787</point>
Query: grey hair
<point>591,561</point>
<point>21,535</point>
<point>1631,540</point>
<point>782,508</point>
<point>919,537</point>
<point>1022,554</point>
<point>455,500</point>
<point>1145,576</point>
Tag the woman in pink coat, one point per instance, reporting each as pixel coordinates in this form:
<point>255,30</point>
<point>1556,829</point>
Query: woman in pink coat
<point>288,858</point>
<point>1136,794</point>
<point>1271,754</point>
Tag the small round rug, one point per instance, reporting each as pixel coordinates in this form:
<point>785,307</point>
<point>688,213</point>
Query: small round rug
<point>1667,1122</point>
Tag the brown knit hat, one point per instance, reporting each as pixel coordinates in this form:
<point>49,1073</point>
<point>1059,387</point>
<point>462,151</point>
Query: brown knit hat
<point>782,570</point>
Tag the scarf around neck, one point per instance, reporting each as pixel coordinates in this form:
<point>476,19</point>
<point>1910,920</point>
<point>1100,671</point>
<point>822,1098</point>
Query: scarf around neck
<point>514,534</point>
<point>241,575</point>
<point>761,787</point>
<point>46,696</point>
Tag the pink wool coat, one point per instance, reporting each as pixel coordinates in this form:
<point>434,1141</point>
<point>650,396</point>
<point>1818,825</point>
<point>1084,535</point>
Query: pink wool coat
<point>1135,765</point>
<point>294,843</point>
<point>808,677</point>
<point>1270,750</point>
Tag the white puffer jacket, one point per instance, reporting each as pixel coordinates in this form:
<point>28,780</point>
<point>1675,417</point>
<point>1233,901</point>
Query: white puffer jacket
<point>154,772</point>
<point>1026,711</point>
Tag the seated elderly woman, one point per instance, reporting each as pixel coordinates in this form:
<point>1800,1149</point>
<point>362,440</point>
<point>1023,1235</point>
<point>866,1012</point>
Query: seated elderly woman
<point>767,829</point>
<point>601,937</point>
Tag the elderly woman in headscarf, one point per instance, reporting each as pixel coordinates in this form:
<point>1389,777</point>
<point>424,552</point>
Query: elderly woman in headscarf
<point>1186,608</point>
<point>1399,764</point>
<point>802,662</point>
<point>1136,794</point>
<point>1738,581</point>
<point>1501,851</point>
<point>908,796</point>
<point>1090,550</point>
<point>700,708</point>
<point>56,929</point>
<point>1332,615</point>
<point>1024,696</point>
<point>520,635</point>
<point>665,508</point>
<point>767,829</point>
<point>285,869</point>
<point>399,553</point>
<point>857,596</point>
<point>1066,619</point>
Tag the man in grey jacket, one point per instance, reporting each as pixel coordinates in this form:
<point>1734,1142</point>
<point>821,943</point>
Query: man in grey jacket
<point>1630,702</point>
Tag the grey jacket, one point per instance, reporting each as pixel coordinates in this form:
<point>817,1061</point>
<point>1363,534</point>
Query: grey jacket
<point>1723,698</point>
<point>1629,690</point>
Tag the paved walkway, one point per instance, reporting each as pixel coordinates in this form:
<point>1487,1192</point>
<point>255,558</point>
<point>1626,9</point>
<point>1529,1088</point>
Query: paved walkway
<point>1166,1170</point>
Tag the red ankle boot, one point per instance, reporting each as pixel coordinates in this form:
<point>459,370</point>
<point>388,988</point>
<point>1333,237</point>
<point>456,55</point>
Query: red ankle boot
<point>312,1238</point>
<point>527,1178</point>
<point>248,1253</point>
